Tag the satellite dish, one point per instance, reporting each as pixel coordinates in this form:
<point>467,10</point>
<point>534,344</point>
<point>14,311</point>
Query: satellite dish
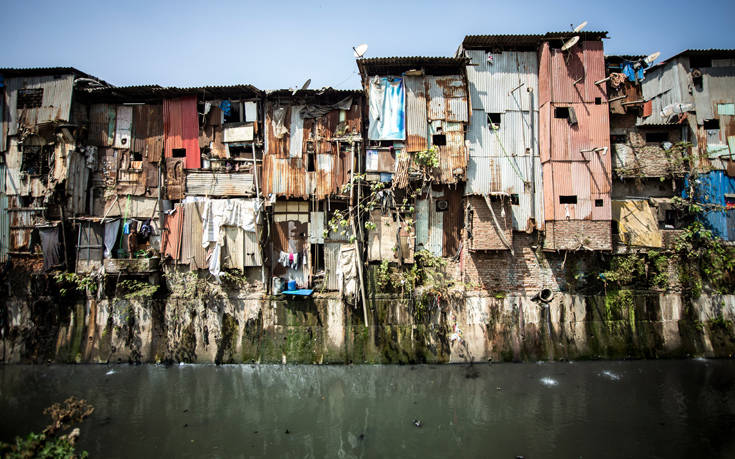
<point>569,43</point>
<point>580,27</point>
<point>651,57</point>
<point>360,50</point>
<point>305,86</point>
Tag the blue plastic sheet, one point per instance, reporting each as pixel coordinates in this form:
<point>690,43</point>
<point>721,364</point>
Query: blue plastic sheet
<point>387,109</point>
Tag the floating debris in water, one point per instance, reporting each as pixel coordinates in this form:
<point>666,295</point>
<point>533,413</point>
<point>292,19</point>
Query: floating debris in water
<point>609,374</point>
<point>549,382</point>
<point>111,372</point>
<point>700,359</point>
<point>418,423</point>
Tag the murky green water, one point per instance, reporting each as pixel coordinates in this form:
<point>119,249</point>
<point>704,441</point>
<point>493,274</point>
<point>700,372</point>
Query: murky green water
<point>582,409</point>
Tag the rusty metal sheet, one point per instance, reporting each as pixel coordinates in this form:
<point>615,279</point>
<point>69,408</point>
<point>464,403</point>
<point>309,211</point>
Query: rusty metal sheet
<point>4,217</point>
<point>383,239</point>
<point>175,178</point>
<point>76,184</point>
<point>219,184</point>
<point>453,222</point>
<point>130,175</point>
<point>664,85</point>
<point>181,129</point>
<point>172,232</point>
<point>90,247</point>
<point>148,131</point>
<point>23,218</point>
<point>447,98</point>
<point>140,207</point>
<point>416,117</point>
<point>453,157</point>
<point>101,125</point>
<point>123,126</point>
<point>55,104</point>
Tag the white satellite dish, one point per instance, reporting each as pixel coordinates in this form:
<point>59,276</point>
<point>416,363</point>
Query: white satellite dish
<point>651,57</point>
<point>569,43</point>
<point>360,50</point>
<point>305,86</point>
<point>580,27</point>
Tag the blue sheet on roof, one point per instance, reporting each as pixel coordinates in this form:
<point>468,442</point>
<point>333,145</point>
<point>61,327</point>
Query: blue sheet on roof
<point>300,292</point>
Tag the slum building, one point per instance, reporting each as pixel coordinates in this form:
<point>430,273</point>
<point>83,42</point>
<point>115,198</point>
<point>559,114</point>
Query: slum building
<point>504,186</point>
<point>649,163</point>
<point>44,176</point>
<point>177,179</point>
<point>689,98</point>
<point>416,151</point>
<point>574,141</point>
<point>313,148</point>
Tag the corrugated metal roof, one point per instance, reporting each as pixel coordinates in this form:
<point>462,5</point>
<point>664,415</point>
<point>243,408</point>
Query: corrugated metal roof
<point>4,218</point>
<point>155,93</point>
<point>43,71</point>
<point>523,41</point>
<point>398,65</point>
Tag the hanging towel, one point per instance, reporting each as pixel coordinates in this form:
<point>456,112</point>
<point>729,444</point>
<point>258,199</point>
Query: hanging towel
<point>111,229</point>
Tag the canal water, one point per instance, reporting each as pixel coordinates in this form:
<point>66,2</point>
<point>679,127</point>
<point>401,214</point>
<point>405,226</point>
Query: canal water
<point>568,410</point>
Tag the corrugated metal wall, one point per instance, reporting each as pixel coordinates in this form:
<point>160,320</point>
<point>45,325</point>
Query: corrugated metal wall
<point>219,184</point>
<point>506,160</point>
<point>55,103</point>
<point>181,129</point>
<point>324,138</point>
<point>416,118</point>
<point>4,218</point>
<point>663,86</point>
<point>569,168</point>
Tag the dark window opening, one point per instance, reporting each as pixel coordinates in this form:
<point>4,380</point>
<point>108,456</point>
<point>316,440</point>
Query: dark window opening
<point>240,151</point>
<point>568,199</point>
<point>598,203</point>
<point>699,61</point>
<point>598,100</point>
<point>135,156</point>
<point>317,257</point>
<point>711,124</point>
<point>439,140</point>
<point>670,217</point>
<point>615,228</point>
<point>35,159</point>
<point>618,138</point>
<point>493,120</point>
<point>233,114</point>
<point>178,152</point>
<point>29,98</point>
<point>561,112</point>
<point>514,200</point>
<point>310,162</point>
<point>656,137</point>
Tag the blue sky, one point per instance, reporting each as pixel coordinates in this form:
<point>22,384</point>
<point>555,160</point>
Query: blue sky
<point>278,44</point>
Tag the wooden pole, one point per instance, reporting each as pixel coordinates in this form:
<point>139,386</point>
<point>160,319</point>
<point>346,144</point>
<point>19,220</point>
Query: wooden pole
<point>358,257</point>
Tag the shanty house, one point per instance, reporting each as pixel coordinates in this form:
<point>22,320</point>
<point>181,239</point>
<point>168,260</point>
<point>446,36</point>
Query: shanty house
<point>504,186</point>
<point>418,120</point>
<point>574,141</point>
<point>313,147</point>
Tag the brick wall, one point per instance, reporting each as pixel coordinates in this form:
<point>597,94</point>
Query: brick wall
<point>484,232</point>
<point>577,234</point>
<point>525,271</point>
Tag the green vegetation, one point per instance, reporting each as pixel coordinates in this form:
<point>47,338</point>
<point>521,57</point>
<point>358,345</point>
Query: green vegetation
<point>705,259</point>
<point>69,283</point>
<point>51,443</point>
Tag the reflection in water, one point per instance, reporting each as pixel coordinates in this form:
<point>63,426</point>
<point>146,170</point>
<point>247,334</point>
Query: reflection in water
<point>636,409</point>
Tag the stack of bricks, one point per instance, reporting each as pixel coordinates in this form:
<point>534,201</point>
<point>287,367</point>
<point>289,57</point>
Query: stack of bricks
<point>578,235</point>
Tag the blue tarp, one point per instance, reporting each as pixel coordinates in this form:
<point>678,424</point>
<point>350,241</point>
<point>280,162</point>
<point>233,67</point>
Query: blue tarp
<point>711,188</point>
<point>300,292</point>
<point>387,109</point>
